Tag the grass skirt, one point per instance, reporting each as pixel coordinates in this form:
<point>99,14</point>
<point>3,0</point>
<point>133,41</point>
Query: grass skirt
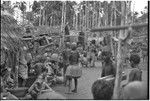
<point>74,71</point>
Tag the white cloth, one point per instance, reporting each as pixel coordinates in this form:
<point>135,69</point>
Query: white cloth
<point>29,57</point>
<point>99,53</point>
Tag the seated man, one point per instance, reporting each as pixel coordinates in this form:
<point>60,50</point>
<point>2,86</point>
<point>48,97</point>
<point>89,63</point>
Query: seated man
<point>102,89</point>
<point>40,89</point>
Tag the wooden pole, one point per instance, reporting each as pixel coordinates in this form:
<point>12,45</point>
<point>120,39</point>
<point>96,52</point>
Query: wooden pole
<point>122,27</point>
<point>117,87</point>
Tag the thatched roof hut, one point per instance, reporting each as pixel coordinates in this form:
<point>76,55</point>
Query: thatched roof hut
<point>11,43</point>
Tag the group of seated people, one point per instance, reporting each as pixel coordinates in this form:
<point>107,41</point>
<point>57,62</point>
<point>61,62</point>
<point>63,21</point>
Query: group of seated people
<point>134,89</point>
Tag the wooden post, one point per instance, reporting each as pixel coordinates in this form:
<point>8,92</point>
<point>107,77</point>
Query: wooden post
<point>117,87</point>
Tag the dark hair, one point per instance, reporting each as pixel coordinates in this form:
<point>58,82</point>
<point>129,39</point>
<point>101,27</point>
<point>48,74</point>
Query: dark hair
<point>102,90</point>
<point>74,48</point>
<point>108,60</point>
<point>107,56</point>
<point>56,45</point>
<point>44,69</point>
<point>135,58</point>
<point>85,55</point>
<point>104,53</point>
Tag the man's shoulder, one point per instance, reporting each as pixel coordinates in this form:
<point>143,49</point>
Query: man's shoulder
<point>135,70</point>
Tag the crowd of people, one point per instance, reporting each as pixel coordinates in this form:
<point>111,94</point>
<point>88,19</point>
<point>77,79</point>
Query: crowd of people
<point>65,66</point>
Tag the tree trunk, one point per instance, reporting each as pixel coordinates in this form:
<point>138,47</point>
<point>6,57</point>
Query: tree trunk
<point>16,69</point>
<point>43,17</point>
<point>73,21</point>
<point>106,15</point>
<point>63,22</point>
<point>40,17</point>
<point>76,21</point>
<point>87,15</point>
<point>99,19</point>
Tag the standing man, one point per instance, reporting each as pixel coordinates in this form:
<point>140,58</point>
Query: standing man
<point>65,56</point>
<point>93,52</point>
<point>29,61</point>
<point>23,68</point>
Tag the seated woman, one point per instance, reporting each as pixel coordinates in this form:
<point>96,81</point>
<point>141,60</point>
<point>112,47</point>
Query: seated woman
<point>108,66</point>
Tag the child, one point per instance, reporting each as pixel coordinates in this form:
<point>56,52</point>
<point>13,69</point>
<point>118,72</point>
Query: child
<point>84,60</point>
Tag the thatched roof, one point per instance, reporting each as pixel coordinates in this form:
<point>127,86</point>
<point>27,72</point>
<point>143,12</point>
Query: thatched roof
<point>10,32</point>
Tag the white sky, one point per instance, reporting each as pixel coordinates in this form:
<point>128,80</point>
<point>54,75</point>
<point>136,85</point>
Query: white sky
<point>137,5</point>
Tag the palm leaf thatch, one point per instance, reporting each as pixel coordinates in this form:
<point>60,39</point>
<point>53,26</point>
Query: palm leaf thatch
<point>11,43</point>
<point>10,33</point>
